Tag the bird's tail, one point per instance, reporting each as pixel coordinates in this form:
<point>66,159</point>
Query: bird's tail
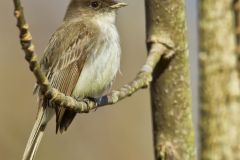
<point>44,115</point>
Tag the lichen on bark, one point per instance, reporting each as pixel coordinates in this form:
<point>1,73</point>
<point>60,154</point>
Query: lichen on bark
<point>170,89</point>
<point>219,83</point>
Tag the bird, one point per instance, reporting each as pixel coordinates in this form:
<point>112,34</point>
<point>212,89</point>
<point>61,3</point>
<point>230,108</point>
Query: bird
<point>81,60</point>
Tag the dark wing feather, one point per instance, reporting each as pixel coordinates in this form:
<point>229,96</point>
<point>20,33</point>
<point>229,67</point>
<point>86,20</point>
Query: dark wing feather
<point>63,62</point>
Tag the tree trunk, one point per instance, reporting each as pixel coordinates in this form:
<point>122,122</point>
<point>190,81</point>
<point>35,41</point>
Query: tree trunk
<point>219,91</point>
<point>170,89</point>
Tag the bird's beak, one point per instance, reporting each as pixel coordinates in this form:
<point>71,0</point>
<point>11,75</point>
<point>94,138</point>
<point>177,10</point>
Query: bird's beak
<point>117,5</point>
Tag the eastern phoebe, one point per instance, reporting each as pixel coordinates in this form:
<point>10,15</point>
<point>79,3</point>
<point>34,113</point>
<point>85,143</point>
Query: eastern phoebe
<point>81,60</point>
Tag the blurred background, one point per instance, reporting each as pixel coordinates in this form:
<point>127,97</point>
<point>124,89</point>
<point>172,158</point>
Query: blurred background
<point>119,132</point>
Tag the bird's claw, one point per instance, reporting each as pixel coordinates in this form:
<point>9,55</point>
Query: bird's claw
<point>100,101</point>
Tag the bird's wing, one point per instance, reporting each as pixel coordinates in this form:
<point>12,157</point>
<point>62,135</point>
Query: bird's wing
<point>63,61</point>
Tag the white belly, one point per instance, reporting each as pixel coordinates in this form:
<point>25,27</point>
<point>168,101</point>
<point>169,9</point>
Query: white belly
<point>101,68</point>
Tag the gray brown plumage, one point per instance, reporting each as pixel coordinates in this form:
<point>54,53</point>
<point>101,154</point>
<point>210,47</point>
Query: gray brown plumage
<point>64,59</point>
<point>81,60</point>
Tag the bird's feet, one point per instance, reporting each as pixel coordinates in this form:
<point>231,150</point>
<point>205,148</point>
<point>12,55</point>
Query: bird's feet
<point>100,101</point>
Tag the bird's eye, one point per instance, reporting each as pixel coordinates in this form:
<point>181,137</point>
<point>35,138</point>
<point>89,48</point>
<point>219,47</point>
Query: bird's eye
<point>95,4</point>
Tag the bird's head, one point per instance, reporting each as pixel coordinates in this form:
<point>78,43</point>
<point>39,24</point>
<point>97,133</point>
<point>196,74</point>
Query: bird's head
<point>92,8</point>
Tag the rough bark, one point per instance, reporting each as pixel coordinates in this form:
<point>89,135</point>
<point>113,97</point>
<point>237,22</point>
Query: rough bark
<point>219,91</point>
<point>170,89</point>
<point>236,7</point>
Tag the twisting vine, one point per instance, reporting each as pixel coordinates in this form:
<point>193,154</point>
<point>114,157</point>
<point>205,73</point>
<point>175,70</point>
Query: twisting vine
<point>142,80</point>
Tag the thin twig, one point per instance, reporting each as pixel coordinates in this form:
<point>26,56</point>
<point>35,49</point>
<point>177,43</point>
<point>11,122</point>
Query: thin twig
<point>142,80</point>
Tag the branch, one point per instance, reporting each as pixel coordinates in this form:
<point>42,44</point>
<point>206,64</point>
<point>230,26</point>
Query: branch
<point>218,77</point>
<point>173,132</point>
<point>142,80</point>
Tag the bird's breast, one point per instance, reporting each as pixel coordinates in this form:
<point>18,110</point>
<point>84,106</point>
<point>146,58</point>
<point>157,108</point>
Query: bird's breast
<point>102,64</point>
